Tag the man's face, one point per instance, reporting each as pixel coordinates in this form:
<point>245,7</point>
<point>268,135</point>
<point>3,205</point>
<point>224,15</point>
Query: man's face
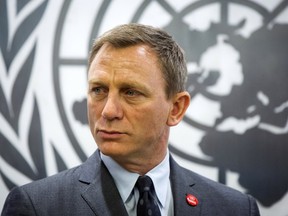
<point>128,109</point>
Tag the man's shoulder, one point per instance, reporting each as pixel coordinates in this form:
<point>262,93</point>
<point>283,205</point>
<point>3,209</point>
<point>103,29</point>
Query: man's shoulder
<point>64,179</point>
<point>51,183</point>
<point>208,186</point>
<point>53,195</point>
<point>214,197</point>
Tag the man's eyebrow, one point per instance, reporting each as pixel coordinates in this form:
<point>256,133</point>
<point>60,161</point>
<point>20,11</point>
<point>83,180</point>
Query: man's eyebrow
<point>133,84</point>
<point>95,81</point>
<point>123,85</point>
<point>130,85</point>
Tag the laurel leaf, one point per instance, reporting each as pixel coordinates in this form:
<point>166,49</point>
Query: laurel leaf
<point>3,104</point>
<point>21,4</point>
<point>36,143</point>
<point>9,184</point>
<point>13,157</point>
<point>9,50</point>
<point>23,32</point>
<point>59,161</point>
<point>20,87</point>
<point>3,27</point>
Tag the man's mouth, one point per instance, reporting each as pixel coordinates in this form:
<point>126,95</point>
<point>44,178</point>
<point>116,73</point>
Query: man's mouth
<point>109,134</point>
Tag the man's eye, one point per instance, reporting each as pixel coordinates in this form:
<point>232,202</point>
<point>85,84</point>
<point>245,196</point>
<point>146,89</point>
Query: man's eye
<point>132,93</point>
<point>97,90</point>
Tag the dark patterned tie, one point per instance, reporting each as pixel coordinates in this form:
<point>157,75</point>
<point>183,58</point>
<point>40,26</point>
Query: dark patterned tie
<point>147,203</point>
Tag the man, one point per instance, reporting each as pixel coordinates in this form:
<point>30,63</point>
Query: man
<point>136,82</point>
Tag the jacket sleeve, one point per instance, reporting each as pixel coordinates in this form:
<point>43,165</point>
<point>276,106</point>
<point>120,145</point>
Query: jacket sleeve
<point>18,203</point>
<point>254,211</point>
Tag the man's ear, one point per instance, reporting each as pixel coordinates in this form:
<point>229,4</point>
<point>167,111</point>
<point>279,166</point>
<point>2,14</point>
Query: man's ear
<point>180,104</point>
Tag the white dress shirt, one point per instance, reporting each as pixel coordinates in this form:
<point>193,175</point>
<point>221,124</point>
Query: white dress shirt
<point>125,182</point>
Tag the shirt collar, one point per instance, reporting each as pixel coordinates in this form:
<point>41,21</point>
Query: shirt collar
<point>160,177</point>
<point>125,180</point>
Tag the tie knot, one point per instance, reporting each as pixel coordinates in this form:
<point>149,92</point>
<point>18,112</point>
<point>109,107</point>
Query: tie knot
<point>144,183</point>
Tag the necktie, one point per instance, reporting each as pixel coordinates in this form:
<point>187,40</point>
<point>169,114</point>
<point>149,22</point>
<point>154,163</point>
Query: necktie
<point>147,203</point>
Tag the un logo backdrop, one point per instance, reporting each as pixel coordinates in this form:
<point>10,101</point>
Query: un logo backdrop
<point>235,131</point>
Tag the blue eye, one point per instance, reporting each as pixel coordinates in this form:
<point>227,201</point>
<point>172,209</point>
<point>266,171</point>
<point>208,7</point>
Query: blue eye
<point>98,90</point>
<point>132,93</point>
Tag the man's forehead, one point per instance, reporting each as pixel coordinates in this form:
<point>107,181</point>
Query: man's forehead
<point>140,49</point>
<point>134,58</point>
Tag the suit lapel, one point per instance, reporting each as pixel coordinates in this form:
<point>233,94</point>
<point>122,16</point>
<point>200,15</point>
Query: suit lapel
<point>183,184</point>
<point>101,193</point>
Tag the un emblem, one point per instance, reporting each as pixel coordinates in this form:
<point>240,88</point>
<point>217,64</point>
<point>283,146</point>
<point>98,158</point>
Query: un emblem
<point>235,130</point>
<point>236,57</point>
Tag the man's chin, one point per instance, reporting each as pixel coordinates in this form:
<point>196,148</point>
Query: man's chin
<point>114,152</point>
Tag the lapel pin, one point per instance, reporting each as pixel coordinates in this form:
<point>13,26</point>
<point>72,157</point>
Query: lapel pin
<point>191,200</point>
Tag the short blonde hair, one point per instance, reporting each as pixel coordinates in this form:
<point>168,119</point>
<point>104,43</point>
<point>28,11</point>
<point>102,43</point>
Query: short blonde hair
<point>169,53</point>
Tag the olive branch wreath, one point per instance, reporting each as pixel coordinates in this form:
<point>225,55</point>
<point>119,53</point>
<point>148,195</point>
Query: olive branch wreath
<point>21,150</point>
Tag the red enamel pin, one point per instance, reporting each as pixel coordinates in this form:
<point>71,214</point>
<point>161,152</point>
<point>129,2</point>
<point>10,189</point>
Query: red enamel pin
<point>191,200</point>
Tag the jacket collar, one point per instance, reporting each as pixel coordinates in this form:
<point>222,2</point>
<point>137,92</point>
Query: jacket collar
<point>102,196</point>
<point>100,192</point>
<point>183,184</point>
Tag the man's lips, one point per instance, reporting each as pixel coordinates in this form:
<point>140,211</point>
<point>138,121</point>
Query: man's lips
<point>109,134</point>
<point>109,131</point>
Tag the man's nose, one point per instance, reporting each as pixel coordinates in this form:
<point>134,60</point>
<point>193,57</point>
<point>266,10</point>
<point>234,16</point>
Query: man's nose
<point>112,108</point>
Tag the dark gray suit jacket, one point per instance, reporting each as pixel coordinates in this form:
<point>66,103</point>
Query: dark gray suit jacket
<point>90,190</point>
